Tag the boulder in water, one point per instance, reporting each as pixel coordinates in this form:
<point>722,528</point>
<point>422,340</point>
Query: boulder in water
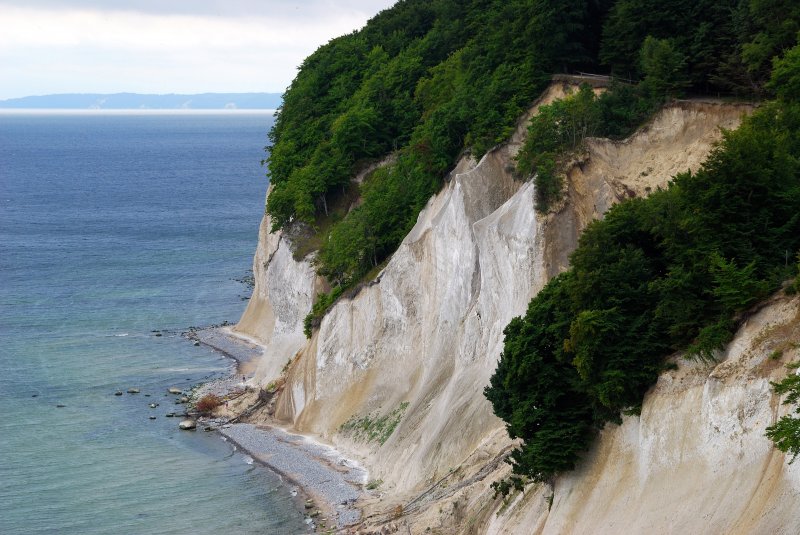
<point>133,391</point>
<point>187,425</point>
<point>175,390</point>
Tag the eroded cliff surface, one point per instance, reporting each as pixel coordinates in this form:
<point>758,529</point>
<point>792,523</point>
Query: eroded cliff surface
<point>696,460</point>
<point>283,295</point>
<point>395,373</point>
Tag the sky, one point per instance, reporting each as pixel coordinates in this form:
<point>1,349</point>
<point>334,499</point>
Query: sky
<point>165,46</point>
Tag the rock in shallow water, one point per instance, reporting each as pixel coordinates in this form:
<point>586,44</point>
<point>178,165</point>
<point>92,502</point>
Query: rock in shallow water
<point>187,425</point>
<point>133,391</point>
<point>175,390</point>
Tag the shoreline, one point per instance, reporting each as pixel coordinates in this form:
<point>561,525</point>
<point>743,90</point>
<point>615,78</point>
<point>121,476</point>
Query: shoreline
<point>328,483</point>
<point>331,482</point>
<point>241,349</point>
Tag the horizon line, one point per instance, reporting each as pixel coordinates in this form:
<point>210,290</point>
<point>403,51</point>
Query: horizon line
<point>173,93</point>
<point>135,111</point>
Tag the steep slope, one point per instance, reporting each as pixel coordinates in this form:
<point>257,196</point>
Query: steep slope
<point>283,294</point>
<point>678,138</point>
<point>696,460</point>
<point>414,348</point>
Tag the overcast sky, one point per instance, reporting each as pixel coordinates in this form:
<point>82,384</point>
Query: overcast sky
<point>165,46</point>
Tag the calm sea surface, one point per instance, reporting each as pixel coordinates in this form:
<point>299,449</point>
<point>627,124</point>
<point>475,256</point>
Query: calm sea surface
<point>111,227</point>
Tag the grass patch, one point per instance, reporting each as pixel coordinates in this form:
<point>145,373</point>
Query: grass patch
<point>374,428</point>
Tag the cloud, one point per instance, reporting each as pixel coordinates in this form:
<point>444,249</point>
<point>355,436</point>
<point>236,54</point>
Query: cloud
<point>133,30</point>
<point>51,47</point>
<point>219,8</point>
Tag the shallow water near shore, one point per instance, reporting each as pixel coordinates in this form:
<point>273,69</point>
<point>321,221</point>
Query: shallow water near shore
<point>112,227</point>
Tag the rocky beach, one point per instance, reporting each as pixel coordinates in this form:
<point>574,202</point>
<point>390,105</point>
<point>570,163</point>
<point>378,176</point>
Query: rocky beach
<point>329,483</point>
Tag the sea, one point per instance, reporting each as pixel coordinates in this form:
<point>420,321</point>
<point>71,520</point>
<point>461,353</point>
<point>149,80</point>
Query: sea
<point>118,232</point>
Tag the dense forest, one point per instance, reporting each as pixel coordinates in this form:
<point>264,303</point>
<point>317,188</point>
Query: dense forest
<point>429,80</point>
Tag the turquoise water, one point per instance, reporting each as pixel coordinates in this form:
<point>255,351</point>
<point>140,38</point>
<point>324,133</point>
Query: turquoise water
<point>112,227</point>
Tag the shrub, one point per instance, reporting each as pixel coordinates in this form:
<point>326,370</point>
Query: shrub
<point>374,484</point>
<point>786,431</point>
<point>321,306</point>
<point>207,404</point>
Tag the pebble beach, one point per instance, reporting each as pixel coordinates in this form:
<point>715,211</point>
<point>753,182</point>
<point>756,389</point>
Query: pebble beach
<point>332,482</point>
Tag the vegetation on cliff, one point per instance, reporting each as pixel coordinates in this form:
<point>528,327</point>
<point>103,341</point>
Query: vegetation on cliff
<point>430,79</point>
<point>675,271</point>
<point>786,431</point>
<point>559,129</point>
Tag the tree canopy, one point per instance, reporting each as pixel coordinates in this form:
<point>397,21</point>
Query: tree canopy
<point>427,80</point>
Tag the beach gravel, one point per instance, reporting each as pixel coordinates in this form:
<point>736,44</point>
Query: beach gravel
<point>334,482</point>
<point>223,341</point>
<point>318,469</point>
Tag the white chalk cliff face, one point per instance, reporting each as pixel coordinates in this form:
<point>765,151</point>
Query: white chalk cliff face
<point>283,295</point>
<point>419,343</point>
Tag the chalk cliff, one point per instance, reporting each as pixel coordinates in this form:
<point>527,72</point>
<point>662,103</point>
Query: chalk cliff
<point>282,296</point>
<point>394,375</point>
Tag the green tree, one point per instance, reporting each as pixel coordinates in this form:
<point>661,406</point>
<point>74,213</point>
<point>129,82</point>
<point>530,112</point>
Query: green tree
<point>664,68</point>
<point>560,128</point>
<point>785,80</point>
<point>785,433</point>
<point>772,30</point>
<point>537,391</point>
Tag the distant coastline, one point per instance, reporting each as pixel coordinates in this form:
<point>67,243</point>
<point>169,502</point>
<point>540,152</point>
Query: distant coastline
<point>136,111</point>
<point>145,102</point>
